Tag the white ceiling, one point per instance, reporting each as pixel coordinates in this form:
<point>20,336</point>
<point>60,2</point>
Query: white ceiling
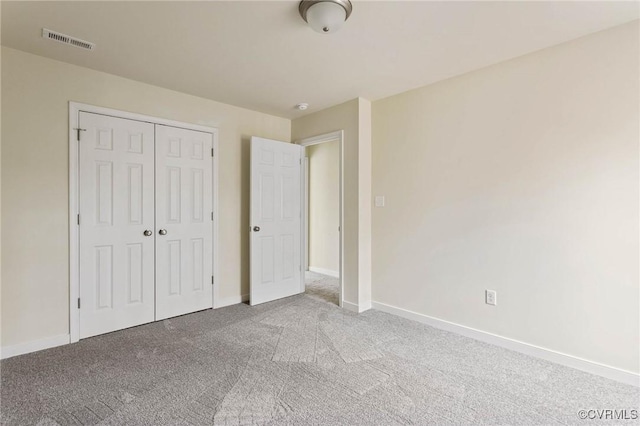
<point>261,55</point>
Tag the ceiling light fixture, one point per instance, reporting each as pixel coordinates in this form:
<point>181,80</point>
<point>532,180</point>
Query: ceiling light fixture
<point>325,16</point>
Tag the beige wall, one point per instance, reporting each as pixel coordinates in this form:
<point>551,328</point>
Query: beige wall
<point>356,181</point>
<point>523,178</point>
<point>324,206</point>
<point>35,96</point>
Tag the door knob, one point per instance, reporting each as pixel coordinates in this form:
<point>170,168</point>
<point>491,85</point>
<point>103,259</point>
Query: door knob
<point>256,229</point>
<point>148,233</point>
<point>162,232</point>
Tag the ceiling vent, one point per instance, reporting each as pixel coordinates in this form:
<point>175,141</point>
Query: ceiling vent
<point>63,38</point>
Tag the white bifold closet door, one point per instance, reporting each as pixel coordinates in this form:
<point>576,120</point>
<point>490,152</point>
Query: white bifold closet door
<point>184,237</point>
<point>116,199</point>
<point>146,230</point>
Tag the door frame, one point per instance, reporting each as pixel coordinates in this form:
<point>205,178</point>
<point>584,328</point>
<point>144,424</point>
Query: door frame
<point>305,212</point>
<point>74,235</point>
<point>337,135</point>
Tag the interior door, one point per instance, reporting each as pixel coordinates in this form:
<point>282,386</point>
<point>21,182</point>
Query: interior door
<point>184,221</point>
<point>116,191</point>
<point>275,220</point>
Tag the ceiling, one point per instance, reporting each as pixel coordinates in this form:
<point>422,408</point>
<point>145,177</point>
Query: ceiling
<point>261,55</point>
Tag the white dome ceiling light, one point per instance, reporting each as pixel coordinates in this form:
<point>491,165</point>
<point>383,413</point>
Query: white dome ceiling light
<point>325,16</point>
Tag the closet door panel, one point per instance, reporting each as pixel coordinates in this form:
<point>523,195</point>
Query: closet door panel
<point>116,205</point>
<point>184,227</point>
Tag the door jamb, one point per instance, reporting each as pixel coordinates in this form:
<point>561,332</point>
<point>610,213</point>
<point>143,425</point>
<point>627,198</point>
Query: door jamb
<point>315,140</point>
<point>74,241</point>
<point>305,213</point>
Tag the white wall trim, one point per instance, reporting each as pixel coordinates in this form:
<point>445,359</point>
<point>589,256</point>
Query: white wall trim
<point>364,306</point>
<point>305,213</point>
<point>315,140</point>
<point>353,307</point>
<point>215,175</point>
<point>325,137</point>
<point>582,364</point>
<point>34,346</point>
<point>74,232</point>
<point>329,272</point>
<point>74,243</point>
<point>233,300</point>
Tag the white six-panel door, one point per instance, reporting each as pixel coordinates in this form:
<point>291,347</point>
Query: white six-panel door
<point>116,191</point>
<point>145,198</point>
<point>184,213</point>
<point>275,220</point>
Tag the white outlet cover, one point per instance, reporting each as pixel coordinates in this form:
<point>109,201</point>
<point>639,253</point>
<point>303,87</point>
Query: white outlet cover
<point>491,297</point>
<point>379,201</point>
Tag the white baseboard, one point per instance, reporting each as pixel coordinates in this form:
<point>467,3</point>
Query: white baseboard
<point>607,371</point>
<point>233,300</point>
<point>34,346</point>
<point>64,339</point>
<point>329,272</point>
<point>350,306</point>
<point>354,307</point>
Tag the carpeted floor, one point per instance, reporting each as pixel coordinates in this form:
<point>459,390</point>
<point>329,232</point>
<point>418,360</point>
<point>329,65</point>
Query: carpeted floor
<point>297,361</point>
<point>321,287</point>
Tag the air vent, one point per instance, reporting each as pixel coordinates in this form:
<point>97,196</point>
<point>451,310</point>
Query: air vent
<point>63,38</point>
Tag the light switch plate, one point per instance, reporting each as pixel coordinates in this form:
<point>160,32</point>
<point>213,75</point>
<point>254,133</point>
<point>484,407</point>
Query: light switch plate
<point>379,201</point>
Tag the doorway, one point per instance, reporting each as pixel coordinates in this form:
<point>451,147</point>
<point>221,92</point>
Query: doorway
<point>323,217</point>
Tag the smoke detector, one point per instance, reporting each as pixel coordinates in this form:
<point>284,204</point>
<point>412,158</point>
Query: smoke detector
<point>302,106</point>
<point>66,39</point>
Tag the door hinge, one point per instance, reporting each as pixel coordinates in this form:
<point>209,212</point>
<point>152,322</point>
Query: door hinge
<point>78,303</point>
<point>78,130</point>
<point>212,152</point>
<point>212,216</point>
<point>212,280</point>
<point>78,219</point>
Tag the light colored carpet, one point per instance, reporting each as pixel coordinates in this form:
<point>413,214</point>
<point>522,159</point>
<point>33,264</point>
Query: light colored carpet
<point>298,361</point>
<point>321,287</point>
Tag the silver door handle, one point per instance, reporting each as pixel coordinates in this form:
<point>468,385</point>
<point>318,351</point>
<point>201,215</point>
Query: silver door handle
<point>148,233</point>
<point>162,232</point>
<point>256,229</point>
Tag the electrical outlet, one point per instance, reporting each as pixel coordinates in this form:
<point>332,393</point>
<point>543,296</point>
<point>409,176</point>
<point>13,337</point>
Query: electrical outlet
<point>491,297</point>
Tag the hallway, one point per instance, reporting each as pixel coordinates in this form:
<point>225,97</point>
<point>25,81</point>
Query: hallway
<point>322,287</point>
